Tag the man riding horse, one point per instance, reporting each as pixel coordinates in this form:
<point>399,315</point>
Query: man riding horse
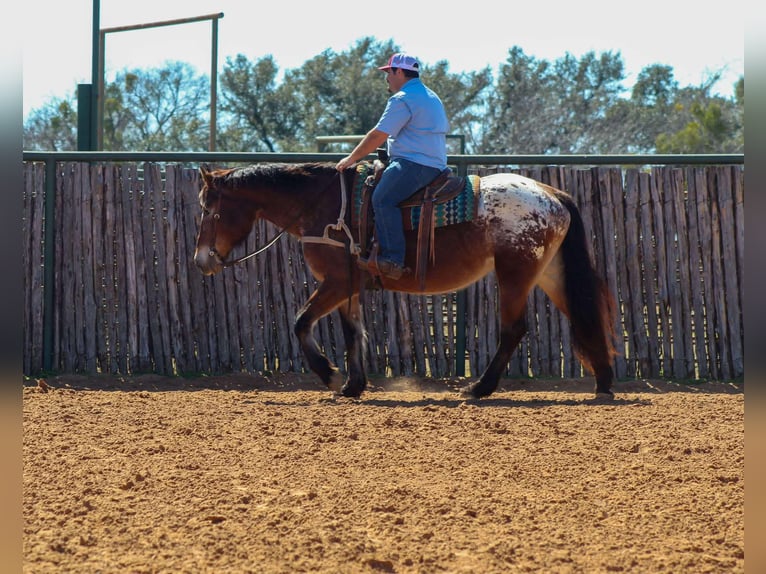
<point>415,126</point>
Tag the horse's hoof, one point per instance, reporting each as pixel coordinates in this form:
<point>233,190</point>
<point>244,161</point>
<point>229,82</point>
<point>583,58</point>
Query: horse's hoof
<point>350,392</point>
<point>336,382</point>
<point>604,396</point>
<point>477,390</point>
<point>472,392</point>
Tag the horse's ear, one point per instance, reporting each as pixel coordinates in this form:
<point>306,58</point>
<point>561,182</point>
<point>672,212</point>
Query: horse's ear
<point>204,171</point>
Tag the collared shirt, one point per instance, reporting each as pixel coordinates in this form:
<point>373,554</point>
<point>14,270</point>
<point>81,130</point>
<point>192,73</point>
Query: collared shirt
<point>416,124</point>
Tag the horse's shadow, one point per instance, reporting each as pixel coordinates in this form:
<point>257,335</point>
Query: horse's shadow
<point>452,403</point>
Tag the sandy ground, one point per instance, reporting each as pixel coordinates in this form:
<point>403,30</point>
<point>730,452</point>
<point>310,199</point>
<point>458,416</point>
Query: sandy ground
<point>252,474</point>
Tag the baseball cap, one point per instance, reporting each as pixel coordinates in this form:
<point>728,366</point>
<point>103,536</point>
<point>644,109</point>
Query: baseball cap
<point>403,61</point>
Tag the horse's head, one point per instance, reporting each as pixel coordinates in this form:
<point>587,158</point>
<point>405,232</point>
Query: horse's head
<point>226,221</point>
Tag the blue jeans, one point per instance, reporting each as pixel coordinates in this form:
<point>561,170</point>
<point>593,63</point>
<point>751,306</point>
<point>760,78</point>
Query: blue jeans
<point>400,180</point>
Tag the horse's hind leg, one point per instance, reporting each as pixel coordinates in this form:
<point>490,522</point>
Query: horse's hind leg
<point>584,300</point>
<point>510,336</point>
<point>513,326</point>
<point>353,334</point>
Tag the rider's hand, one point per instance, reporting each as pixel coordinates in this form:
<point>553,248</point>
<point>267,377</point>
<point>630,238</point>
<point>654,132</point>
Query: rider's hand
<point>345,163</point>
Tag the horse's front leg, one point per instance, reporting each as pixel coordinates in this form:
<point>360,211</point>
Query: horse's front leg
<point>321,303</point>
<point>354,336</point>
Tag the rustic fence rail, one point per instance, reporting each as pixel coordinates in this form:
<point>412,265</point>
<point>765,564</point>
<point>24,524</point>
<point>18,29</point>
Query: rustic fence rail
<point>127,297</point>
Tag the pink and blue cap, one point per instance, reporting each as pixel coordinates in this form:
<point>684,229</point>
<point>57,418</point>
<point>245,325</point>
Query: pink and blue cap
<point>402,61</point>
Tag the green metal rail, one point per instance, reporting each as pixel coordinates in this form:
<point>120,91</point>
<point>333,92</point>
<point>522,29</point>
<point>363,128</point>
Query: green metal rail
<point>459,159</point>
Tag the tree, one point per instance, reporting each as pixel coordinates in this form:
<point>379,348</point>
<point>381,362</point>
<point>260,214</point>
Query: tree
<point>538,107</point>
<point>331,94</point>
<point>464,97</point>
<point>340,93</point>
<point>737,144</point>
<point>158,109</point>
<point>571,105</point>
<point>52,127</point>
<point>703,123</point>
<point>703,134</point>
<point>254,117</point>
<point>634,123</point>
<point>517,108</point>
<point>586,90</point>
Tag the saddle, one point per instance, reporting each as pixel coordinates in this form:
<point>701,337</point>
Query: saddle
<point>442,189</point>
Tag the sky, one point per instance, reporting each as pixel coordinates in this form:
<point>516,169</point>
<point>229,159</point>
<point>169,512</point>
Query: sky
<point>695,42</point>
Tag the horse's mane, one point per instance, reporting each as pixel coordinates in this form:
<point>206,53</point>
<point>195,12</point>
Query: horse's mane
<point>276,174</point>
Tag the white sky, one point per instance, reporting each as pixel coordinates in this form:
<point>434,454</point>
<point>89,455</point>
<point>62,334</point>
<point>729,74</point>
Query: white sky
<point>695,40</point>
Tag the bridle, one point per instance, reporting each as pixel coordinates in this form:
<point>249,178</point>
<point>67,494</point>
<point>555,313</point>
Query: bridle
<point>217,215</point>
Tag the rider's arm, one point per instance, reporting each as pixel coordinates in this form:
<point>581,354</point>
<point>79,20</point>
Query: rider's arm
<point>371,141</point>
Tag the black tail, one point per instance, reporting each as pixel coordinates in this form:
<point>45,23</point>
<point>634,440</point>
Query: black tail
<point>589,302</point>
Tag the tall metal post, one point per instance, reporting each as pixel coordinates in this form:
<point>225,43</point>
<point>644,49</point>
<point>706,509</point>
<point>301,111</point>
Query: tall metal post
<point>95,90</point>
<point>213,84</point>
<point>460,343</point>
<point>461,307</point>
<point>100,91</point>
<point>84,117</point>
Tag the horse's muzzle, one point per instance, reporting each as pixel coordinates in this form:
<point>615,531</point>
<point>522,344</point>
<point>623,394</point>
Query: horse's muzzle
<point>208,261</point>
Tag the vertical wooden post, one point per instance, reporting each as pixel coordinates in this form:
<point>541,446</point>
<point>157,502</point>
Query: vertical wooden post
<point>49,261</point>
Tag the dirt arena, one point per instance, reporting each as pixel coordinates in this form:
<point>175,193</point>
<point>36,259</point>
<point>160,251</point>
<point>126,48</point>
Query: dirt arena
<point>252,474</point>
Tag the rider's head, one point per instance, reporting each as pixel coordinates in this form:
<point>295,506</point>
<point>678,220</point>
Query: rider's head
<point>400,69</point>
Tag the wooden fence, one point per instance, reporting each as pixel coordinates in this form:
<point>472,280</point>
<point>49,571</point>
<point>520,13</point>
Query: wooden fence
<point>128,298</point>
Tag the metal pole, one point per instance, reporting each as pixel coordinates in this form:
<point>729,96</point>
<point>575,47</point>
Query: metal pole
<point>100,91</point>
<point>84,117</point>
<point>163,23</point>
<point>214,83</point>
<point>460,310</point>
<point>95,93</point>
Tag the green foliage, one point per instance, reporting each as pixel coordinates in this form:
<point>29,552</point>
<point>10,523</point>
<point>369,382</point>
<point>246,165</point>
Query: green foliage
<point>516,120</point>
<point>702,134</point>
<point>569,106</point>
<point>157,109</point>
<point>538,107</point>
<point>52,127</point>
<point>253,119</point>
<point>464,97</point>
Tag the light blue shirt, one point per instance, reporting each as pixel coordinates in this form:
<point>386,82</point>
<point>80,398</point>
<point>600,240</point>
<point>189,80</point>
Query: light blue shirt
<point>416,124</point>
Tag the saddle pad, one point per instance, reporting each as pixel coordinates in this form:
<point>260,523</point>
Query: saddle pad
<point>461,208</point>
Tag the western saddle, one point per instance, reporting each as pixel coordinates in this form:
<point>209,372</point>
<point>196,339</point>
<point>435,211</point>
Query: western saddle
<point>445,187</point>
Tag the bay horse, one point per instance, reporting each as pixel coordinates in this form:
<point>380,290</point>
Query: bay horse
<point>527,232</point>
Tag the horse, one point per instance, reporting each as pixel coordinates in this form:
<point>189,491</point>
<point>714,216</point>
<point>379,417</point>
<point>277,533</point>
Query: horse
<point>529,233</point>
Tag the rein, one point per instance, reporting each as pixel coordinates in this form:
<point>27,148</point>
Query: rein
<point>341,224</point>
<point>254,253</point>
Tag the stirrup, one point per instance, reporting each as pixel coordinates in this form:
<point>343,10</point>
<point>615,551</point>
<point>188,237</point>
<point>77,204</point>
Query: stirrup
<point>383,268</point>
<point>390,269</point>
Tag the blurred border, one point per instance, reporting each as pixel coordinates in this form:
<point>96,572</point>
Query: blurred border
<point>11,526</point>
<point>755,303</point>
